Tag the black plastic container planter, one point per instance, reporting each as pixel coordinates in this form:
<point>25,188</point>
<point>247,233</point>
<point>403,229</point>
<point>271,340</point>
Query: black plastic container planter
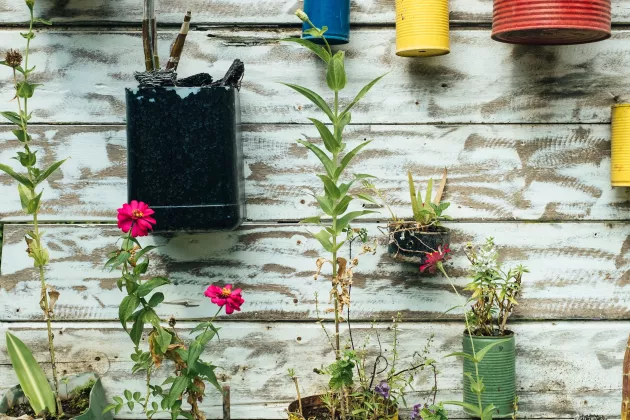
<point>184,156</point>
<point>411,245</point>
<point>97,403</point>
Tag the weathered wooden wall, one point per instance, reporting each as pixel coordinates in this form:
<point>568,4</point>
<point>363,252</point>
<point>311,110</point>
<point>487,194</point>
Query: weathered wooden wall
<point>523,131</point>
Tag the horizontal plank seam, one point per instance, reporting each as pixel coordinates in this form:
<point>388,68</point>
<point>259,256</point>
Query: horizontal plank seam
<point>305,124</point>
<point>384,321</point>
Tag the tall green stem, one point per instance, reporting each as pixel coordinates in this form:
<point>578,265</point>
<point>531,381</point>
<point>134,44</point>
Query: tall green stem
<point>468,329</point>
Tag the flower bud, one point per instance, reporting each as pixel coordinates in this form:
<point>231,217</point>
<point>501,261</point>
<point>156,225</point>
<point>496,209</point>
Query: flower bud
<point>303,16</point>
<point>13,58</point>
<point>30,3</point>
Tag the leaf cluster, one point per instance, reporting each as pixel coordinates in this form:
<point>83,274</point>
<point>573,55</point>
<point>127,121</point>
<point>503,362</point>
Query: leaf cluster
<point>427,211</point>
<point>138,308</point>
<point>494,290</point>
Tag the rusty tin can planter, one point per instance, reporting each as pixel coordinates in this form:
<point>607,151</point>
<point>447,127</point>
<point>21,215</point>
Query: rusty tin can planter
<point>314,408</point>
<point>407,244</point>
<point>335,14</point>
<point>498,370</point>
<point>551,22</point>
<point>97,402</point>
<point>620,146</point>
<point>422,28</point>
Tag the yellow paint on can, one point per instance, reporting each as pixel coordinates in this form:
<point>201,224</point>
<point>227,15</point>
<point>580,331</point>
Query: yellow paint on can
<point>422,28</point>
<point>620,146</point>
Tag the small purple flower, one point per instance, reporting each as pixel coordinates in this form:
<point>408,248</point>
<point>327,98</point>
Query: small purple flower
<point>415,415</point>
<point>382,389</point>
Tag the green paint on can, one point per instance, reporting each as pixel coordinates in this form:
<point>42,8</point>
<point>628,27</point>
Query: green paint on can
<point>498,372</point>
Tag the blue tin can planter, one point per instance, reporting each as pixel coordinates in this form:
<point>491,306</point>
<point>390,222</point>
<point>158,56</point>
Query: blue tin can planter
<point>332,13</point>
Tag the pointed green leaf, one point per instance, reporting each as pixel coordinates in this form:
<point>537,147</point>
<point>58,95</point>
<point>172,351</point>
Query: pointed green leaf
<point>324,238</point>
<point>482,353</point>
<point>33,205</point>
<point>344,221</point>
<point>138,327</point>
<point>325,204</point>
<point>336,73</point>
<point>329,140</point>
<point>49,171</point>
<point>348,157</point>
<point>43,21</point>
<point>127,308</point>
<point>314,219</point>
<point>25,196</point>
<point>367,198</point>
<point>462,354</point>
<point>31,376</point>
<point>320,51</point>
<point>177,389</point>
<point>321,155</point>
<point>18,177</point>
<point>361,94</point>
<point>21,135</point>
<point>207,372</point>
<point>427,200</point>
<point>331,189</point>
<point>313,97</point>
<point>163,339</point>
<point>342,205</point>
<point>12,116</point>
<point>415,208</point>
<point>472,408</point>
<point>146,288</point>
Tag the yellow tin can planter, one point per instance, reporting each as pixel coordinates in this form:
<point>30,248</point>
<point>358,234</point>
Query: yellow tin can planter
<point>620,146</point>
<point>422,28</point>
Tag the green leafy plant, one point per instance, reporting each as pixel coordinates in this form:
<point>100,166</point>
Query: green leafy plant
<point>31,376</point>
<point>29,181</point>
<point>436,261</point>
<point>427,212</point>
<point>494,290</point>
<point>138,309</point>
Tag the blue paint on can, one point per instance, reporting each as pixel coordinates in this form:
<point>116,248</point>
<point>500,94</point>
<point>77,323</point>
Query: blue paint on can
<point>332,13</point>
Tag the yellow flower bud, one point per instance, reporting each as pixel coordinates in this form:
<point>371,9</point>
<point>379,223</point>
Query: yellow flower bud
<point>303,16</point>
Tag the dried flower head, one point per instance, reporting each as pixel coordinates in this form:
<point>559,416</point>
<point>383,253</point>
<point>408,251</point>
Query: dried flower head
<point>13,58</point>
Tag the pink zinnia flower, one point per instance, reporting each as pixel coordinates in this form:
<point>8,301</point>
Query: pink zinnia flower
<point>135,216</point>
<point>225,296</point>
<point>433,258</point>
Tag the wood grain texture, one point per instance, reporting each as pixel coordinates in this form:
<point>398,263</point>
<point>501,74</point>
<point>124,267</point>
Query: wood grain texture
<point>496,172</point>
<point>255,12</point>
<point>563,369</point>
<point>480,82</point>
<point>578,271</point>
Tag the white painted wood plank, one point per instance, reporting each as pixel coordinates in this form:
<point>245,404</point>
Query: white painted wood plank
<point>578,271</point>
<point>254,12</point>
<point>480,82</point>
<point>563,369</point>
<point>496,172</point>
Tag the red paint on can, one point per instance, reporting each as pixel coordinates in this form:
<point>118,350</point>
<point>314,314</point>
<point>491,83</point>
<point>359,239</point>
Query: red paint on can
<point>551,22</point>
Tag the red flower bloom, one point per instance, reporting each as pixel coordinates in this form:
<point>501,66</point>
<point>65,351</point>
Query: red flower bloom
<point>433,258</point>
<point>135,216</point>
<point>225,296</point>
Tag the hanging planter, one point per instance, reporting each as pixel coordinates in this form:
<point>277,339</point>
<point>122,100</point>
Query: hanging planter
<point>422,28</point>
<point>620,146</point>
<point>335,14</point>
<point>184,156</point>
<point>73,398</point>
<point>551,22</point>
<point>411,243</point>
<point>498,370</point>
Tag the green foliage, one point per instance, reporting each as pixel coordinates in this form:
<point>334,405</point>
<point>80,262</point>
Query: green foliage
<point>341,371</point>
<point>434,412</point>
<point>494,290</point>
<point>138,308</point>
<point>31,376</point>
<point>426,211</point>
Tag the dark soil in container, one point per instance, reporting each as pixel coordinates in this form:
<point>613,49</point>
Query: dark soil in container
<point>77,404</point>
<point>408,243</point>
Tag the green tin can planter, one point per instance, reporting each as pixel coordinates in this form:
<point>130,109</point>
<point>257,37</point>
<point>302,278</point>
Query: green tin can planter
<point>498,370</point>
<point>97,403</point>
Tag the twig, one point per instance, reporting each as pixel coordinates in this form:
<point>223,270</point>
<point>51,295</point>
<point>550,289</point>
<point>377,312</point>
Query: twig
<point>148,33</point>
<point>226,402</point>
<point>178,45</point>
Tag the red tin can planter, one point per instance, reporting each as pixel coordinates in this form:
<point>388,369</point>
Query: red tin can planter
<point>551,22</point>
